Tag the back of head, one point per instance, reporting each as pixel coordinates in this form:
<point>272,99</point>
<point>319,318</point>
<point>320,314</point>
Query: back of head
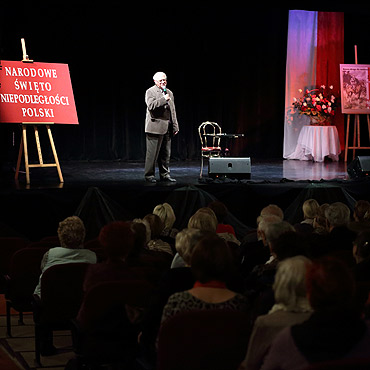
<point>71,232</point>
<point>290,283</point>
<point>275,229</point>
<point>337,214</point>
<point>272,210</point>
<point>117,239</point>
<point>330,285</point>
<point>212,260</point>
<point>140,236</point>
<point>219,209</point>
<point>166,214</point>
<point>289,244</point>
<point>186,240</point>
<point>361,210</point>
<point>310,208</point>
<point>155,223</point>
<point>204,219</point>
<point>362,243</point>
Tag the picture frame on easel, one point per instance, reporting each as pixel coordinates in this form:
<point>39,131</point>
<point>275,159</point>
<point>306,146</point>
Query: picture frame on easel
<point>355,88</point>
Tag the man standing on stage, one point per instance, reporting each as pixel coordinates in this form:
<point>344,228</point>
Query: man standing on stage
<point>160,125</point>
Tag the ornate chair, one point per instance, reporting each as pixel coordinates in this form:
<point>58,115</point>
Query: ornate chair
<point>210,141</point>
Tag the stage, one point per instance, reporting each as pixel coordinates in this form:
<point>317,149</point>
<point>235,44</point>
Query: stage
<point>99,191</point>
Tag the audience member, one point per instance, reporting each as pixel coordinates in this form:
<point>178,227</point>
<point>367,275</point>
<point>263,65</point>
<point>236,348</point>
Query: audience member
<point>288,244</point>
<point>167,215</point>
<point>258,252</point>
<point>173,280</point>
<point>310,209</point>
<point>203,219</point>
<point>320,223</point>
<point>156,243</point>
<point>117,239</point>
<point>361,216</point>
<point>291,307</point>
<point>151,263</point>
<point>71,233</point>
<point>212,265</point>
<point>221,213</point>
<point>361,253</point>
<point>340,237</point>
<point>334,331</point>
<point>265,272</point>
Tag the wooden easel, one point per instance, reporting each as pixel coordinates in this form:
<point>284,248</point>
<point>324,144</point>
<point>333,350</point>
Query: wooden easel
<point>23,145</point>
<point>23,148</point>
<point>356,129</point>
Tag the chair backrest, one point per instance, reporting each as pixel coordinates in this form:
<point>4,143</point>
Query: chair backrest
<point>202,340</point>
<point>8,246</point>
<point>104,298</point>
<point>212,128</point>
<point>24,273</point>
<point>62,292</point>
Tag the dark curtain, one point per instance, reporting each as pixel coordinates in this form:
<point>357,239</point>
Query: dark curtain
<point>224,64</point>
<point>330,54</point>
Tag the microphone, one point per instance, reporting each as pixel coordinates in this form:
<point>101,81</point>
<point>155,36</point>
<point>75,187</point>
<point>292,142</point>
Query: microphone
<point>164,90</point>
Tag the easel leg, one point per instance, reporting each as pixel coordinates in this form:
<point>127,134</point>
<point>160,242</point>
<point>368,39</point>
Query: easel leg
<point>346,148</point>
<point>354,137</point>
<point>20,153</point>
<point>55,153</point>
<point>38,144</point>
<point>26,164</point>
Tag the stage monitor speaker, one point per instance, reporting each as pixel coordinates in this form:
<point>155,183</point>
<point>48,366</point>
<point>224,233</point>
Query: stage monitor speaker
<point>359,167</point>
<point>237,168</point>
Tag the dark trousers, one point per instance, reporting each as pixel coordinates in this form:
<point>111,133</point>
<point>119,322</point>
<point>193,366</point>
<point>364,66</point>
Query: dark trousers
<point>158,149</point>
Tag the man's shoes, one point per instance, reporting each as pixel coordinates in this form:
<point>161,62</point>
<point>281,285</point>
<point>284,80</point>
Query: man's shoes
<point>151,180</point>
<point>168,179</point>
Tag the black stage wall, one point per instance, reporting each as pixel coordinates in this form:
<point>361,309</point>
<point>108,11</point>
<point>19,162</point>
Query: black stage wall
<point>224,64</point>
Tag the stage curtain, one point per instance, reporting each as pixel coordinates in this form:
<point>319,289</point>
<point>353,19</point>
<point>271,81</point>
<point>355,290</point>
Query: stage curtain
<point>315,50</point>
<point>330,54</point>
<point>300,71</point>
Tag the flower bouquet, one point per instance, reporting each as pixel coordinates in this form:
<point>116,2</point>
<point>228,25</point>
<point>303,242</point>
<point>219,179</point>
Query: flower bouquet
<point>318,104</point>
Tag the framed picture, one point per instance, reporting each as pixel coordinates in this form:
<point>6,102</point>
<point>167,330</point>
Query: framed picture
<point>355,88</point>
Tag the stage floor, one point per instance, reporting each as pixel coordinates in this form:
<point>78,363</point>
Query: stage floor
<point>97,173</point>
<point>100,191</point>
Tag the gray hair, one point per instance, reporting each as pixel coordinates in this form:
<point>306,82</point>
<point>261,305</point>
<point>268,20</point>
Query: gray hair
<point>290,285</point>
<point>185,242</point>
<point>338,214</point>
<point>274,230</point>
<point>159,76</point>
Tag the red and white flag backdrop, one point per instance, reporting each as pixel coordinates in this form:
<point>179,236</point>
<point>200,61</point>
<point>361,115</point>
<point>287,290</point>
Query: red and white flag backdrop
<point>36,92</point>
<point>315,51</point>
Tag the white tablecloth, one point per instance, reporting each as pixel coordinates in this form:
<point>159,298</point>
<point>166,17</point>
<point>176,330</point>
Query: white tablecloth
<point>317,142</point>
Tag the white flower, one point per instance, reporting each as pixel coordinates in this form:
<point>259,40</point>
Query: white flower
<point>300,90</point>
<point>322,86</point>
<point>331,87</point>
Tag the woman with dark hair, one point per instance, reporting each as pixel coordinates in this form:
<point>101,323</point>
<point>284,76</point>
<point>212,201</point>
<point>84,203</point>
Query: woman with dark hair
<point>117,240</point>
<point>335,331</point>
<point>212,265</point>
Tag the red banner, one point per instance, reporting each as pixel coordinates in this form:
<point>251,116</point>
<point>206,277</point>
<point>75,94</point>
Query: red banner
<point>36,92</point>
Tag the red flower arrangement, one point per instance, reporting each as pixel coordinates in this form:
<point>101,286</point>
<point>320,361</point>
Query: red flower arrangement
<point>317,104</point>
